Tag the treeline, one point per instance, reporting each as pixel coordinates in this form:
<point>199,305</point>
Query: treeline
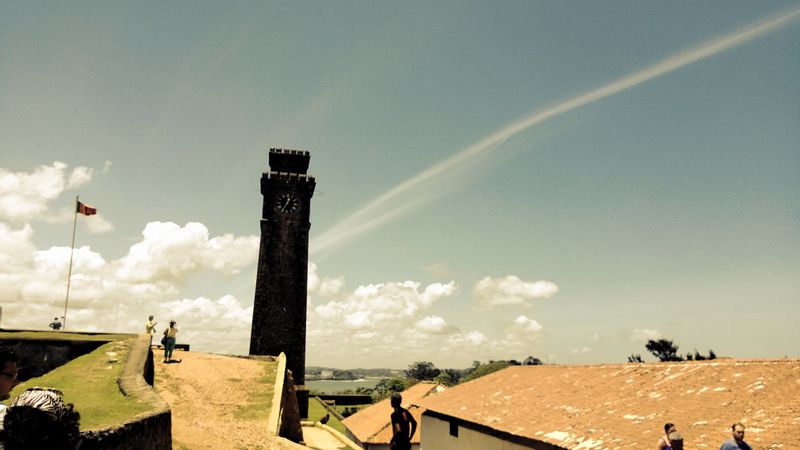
<point>427,371</point>
<point>666,350</point>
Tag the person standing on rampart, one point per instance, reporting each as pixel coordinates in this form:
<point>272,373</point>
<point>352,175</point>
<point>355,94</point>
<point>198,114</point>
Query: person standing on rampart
<point>170,334</point>
<point>56,324</point>
<point>150,326</point>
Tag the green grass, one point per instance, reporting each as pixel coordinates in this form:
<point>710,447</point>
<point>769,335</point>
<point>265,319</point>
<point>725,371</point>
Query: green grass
<point>341,408</point>
<point>316,411</point>
<point>259,399</point>
<point>90,383</point>
<point>61,336</point>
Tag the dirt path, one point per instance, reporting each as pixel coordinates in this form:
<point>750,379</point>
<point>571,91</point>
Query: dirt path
<point>204,392</point>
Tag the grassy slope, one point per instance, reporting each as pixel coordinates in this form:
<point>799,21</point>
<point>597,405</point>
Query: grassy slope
<point>90,383</point>
<point>316,411</point>
<point>259,401</point>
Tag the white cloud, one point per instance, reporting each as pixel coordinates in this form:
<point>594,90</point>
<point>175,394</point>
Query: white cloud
<point>325,288</point>
<point>468,339</point>
<point>169,253</point>
<point>527,325</point>
<point>25,195</point>
<point>511,291</point>
<point>79,176</point>
<point>375,321</point>
<point>644,334</point>
<point>432,325</point>
<point>438,270</point>
<point>98,224</point>
<point>222,325</point>
<point>114,295</point>
<point>581,350</point>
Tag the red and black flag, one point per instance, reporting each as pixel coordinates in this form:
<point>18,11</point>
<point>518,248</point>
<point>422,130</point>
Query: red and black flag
<point>85,209</point>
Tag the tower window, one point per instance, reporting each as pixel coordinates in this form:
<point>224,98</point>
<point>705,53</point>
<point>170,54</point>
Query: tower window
<point>453,428</point>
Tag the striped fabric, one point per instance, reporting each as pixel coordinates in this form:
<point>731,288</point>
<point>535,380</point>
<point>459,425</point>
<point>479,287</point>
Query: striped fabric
<point>45,399</point>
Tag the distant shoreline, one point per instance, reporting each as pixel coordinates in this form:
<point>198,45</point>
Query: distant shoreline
<point>336,386</point>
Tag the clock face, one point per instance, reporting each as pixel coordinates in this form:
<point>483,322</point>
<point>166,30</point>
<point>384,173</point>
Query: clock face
<point>287,203</point>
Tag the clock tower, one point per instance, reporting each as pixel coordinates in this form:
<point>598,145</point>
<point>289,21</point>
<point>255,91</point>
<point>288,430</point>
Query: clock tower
<point>279,309</point>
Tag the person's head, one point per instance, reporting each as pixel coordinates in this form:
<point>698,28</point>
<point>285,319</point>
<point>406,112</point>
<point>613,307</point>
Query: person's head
<point>737,430</point>
<point>675,440</point>
<point>8,376</point>
<point>669,428</point>
<point>150,318</point>
<point>39,418</point>
<point>396,400</point>
<point>171,323</point>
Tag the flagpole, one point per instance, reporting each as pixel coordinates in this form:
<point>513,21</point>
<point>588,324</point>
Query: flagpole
<point>71,252</point>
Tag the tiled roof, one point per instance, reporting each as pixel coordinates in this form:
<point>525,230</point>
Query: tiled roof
<point>626,406</point>
<point>373,423</point>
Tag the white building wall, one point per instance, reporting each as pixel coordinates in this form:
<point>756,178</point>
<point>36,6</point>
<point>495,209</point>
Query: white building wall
<point>386,447</point>
<point>436,436</point>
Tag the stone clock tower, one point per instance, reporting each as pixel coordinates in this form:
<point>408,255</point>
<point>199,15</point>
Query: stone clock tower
<point>279,310</point>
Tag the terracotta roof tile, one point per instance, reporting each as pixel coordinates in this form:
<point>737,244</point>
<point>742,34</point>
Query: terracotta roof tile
<point>626,406</point>
<point>373,423</point>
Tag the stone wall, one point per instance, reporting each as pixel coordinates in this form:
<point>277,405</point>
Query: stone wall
<point>152,430</point>
<point>284,419</point>
<point>37,357</point>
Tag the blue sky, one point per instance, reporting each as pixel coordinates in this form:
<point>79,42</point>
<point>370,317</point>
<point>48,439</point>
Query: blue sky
<point>494,179</point>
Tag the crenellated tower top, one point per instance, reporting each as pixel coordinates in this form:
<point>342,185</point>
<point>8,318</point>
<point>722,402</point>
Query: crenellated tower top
<point>289,161</point>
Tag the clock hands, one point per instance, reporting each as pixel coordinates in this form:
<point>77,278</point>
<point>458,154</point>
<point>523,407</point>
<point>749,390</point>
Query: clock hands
<point>287,203</point>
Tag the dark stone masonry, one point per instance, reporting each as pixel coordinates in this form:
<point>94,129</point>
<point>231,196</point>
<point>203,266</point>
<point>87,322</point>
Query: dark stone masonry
<point>279,309</point>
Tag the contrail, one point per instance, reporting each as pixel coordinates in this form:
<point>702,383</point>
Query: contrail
<point>369,216</point>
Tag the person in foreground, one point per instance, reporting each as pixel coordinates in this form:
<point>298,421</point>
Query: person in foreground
<point>40,419</point>
<point>403,425</point>
<point>737,439</point>
<point>169,344</point>
<point>663,442</point>
<point>8,376</point>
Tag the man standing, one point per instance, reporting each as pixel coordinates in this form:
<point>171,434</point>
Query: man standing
<point>150,326</point>
<point>403,425</point>
<point>737,443</point>
<point>55,324</point>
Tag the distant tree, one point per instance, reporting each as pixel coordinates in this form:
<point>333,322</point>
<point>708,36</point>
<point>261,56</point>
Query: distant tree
<point>663,349</point>
<point>712,355</point>
<point>387,386</point>
<point>454,374</point>
<point>422,370</point>
<point>485,369</point>
<point>444,378</point>
<point>637,358</point>
<point>689,356</point>
<point>343,375</point>
<point>531,361</point>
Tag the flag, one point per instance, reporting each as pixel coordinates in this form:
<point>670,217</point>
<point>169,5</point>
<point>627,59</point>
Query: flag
<point>85,209</point>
